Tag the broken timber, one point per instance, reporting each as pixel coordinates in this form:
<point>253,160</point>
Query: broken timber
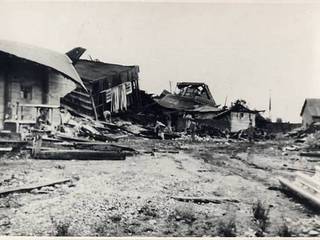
<point>31,187</point>
<point>204,200</point>
<point>80,155</point>
<point>305,187</point>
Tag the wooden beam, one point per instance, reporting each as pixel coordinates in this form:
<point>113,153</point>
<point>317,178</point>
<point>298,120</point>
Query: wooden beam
<point>29,188</point>
<point>204,200</point>
<point>80,155</point>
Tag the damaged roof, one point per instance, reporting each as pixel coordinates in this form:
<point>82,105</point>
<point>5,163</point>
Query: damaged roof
<point>313,105</point>
<point>55,60</point>
<point>179,103</point>
<point>94,70</point>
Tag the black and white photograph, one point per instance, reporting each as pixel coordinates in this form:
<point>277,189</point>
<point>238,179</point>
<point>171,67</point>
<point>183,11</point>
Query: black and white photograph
<point>160,118</point>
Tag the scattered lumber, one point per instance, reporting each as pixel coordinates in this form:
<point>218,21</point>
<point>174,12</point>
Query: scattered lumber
<point>77,154</point>
<point>71,138</point>
<point>29,188</point>
<point>100,146</point>
<point>298,169</point>
<point>203,200</point>
<point>11,145</point>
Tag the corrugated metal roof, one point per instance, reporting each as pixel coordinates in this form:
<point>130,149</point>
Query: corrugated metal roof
<point>57,61</point>
<point>313,105</point>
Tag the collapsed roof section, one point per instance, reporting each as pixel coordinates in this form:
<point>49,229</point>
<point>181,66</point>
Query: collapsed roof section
<point>238,106</point>
<point>57,61</point>
<point>94,70</point>
<point>179,103</point>
<point>191,97</point>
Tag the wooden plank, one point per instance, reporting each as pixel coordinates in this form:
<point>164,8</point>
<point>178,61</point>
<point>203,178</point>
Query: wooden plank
<point>299,191</point>
<point>80,155</point>
<point>203,200</point>
<point>101,146</point>
<point>28,188</point>
<point>71,138</point>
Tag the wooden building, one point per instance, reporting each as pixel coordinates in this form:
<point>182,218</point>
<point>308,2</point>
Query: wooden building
<point>32,76</point>
<point>310,112</point>
<point>237,117</point>
<point>111,87</point>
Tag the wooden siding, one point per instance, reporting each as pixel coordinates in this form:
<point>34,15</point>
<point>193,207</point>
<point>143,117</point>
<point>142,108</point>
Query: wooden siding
<point>47,88</point>
<point>307,118</point>
<point>59,86</point>
<point>241,120</point>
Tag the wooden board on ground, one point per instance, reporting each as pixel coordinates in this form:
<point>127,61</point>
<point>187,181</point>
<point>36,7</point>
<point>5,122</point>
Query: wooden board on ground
<point>29,188</point>
<point>303,190</point>
<point>203,199</point>
<point>80,155</point>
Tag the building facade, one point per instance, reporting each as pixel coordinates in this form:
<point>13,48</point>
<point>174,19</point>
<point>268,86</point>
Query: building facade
<point>310,112</point>
<point>29,78</point>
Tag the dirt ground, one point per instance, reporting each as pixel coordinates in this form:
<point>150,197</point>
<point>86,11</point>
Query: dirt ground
<point>135,197</point>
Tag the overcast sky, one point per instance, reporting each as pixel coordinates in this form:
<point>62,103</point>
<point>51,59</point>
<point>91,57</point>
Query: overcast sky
<point>240,50</point>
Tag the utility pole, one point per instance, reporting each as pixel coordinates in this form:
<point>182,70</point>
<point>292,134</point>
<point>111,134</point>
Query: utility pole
<point>270,105</point>
<point>225,101</point>
<point>170,83</point>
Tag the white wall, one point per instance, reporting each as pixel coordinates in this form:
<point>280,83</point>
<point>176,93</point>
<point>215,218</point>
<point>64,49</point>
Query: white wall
<point>241,121</point>
<point>59,86</point>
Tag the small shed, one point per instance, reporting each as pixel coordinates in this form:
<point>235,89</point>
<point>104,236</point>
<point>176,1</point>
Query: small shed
<point>310,111</point>
<point>237,117</point>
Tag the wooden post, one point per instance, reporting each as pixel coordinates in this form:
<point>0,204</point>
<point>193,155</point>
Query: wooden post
<point>94,107</point>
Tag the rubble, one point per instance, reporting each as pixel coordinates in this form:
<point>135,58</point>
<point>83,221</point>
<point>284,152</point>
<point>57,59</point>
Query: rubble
<point>221,155</point>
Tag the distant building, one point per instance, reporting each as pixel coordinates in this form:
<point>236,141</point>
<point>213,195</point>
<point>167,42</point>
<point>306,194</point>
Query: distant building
<point>237,117</point>
<point>310,111</point>
<point>111,87</point>
<point>32,76</point>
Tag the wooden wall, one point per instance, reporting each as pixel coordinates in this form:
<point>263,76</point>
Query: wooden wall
<point>48,87</point>
<point>29,75</point>
<point>241,120</point>
<point>306,117</point>
<point>59,86</point>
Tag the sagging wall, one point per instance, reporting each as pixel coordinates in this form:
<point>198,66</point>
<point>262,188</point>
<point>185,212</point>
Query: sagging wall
<point>241,120</point>
<point>59,86</point>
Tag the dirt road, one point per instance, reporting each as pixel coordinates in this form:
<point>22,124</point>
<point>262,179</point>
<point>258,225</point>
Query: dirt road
<point>134,197</point>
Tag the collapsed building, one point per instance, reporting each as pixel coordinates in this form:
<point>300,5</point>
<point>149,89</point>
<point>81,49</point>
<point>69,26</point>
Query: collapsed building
<point>237,117</point>
<point>111,88</point>
<point>33,77</point>
<point>190,98</point>
<point>195,99</point>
